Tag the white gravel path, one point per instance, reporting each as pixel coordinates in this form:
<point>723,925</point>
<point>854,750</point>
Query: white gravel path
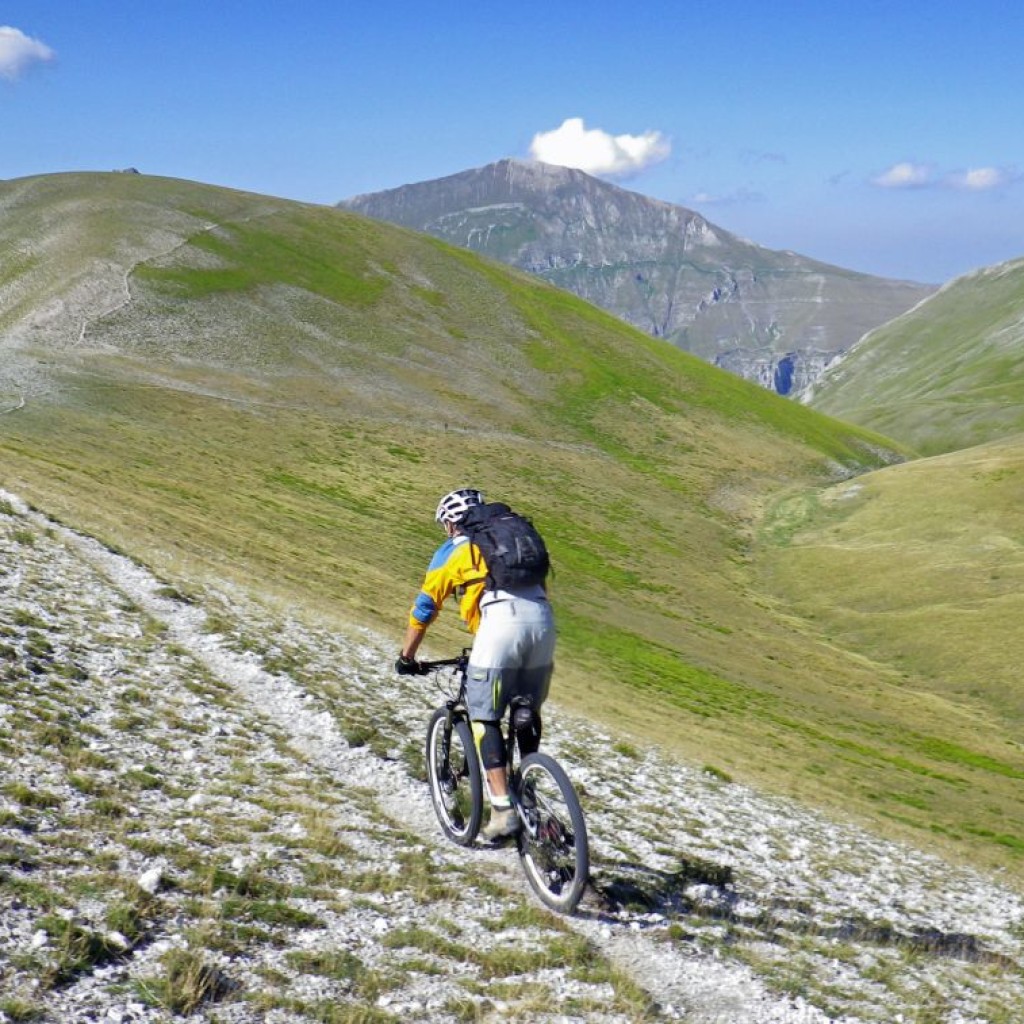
<point>745,909</point>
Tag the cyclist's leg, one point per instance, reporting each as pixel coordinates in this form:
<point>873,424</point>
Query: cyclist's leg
<point>489,743</point>
<point>485,704</point>
<point>532,679</point>
<point>494,650</point>
<point>491,747</point>
<point>512,656</point>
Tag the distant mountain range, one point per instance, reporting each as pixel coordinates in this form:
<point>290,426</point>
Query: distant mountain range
<point>774,317</point>
<point>948,374</point>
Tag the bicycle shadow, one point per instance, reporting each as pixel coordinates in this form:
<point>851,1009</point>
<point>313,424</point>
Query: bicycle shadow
<point>701,891</point>
<point>623,888</point>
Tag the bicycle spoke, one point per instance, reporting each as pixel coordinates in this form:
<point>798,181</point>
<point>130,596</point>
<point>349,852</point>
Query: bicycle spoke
<point>454,776</point>
<point>553,845</point>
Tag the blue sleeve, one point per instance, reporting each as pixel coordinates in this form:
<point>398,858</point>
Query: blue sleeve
<point>425,607</point>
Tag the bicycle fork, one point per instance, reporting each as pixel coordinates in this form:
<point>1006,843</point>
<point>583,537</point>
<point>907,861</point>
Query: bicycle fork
<point>450,779</point>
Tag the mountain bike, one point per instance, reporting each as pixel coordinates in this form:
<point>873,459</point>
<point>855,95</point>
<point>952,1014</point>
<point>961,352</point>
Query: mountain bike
<point>552,842</point>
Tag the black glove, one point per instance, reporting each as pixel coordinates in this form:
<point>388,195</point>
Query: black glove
<point>408,666</point>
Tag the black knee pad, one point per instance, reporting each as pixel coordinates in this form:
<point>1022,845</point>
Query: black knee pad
<point>526,724</point>
<point>490,743</point>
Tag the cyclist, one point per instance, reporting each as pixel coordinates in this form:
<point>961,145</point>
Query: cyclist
<point>513,647</point>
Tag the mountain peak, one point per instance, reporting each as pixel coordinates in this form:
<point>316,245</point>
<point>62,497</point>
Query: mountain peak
<point>778,318</point>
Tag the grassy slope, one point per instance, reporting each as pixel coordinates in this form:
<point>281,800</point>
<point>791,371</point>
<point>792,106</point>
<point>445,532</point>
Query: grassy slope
<point>947,375</point>
<point>922,565</point>
<point>288,392</point>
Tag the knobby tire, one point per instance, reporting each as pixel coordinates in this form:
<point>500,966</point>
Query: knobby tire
<point>456,787</point>
<point>553,846</point>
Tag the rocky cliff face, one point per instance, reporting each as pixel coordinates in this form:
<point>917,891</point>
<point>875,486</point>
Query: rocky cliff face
<point>774,317</point>
<point>786,374</point>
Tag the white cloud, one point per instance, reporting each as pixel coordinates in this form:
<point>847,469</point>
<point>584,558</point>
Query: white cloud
<point>904,175</point>
<point>975,179</point>
<point>18,51</point>
<point>734,198</point>
<point>980,179</point>
<point>596,152</point>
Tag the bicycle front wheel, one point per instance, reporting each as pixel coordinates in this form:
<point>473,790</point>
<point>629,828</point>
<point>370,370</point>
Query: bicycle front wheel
<point>453,771</point>
<point>553,846</point>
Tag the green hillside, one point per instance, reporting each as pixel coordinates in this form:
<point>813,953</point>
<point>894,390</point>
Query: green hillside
<point>947,375</point>
<point>912,553</point>
<point>235,388</point>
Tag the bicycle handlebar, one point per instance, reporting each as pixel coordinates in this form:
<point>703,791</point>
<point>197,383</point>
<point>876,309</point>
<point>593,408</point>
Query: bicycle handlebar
<point>429,666</point>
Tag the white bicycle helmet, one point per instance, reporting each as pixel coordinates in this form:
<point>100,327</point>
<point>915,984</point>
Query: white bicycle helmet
<point>454,505</point>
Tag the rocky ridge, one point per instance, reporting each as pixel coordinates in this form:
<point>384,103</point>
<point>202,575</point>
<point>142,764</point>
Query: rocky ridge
<point>210,808</point>
<point>774,317</point>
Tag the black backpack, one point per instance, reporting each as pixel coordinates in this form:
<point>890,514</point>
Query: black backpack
<point>514,551</point>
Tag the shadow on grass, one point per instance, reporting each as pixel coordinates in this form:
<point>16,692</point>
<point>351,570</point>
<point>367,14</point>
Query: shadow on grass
<point>700,890</point>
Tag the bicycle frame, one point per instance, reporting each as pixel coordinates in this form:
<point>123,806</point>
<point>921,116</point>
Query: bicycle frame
<point>457,709</point>
<point>552,843</point>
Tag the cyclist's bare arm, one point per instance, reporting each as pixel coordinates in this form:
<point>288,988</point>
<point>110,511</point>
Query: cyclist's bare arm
<point>413,638</point>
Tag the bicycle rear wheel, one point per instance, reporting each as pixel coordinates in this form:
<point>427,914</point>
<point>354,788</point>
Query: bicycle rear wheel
<point>553,846</point>
<point>453,771</point>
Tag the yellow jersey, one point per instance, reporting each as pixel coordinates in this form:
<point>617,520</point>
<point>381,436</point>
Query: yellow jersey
<point>457,568</point>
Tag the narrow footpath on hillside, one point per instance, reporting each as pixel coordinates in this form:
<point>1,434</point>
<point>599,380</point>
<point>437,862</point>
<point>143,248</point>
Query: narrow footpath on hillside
<point>246,789</point>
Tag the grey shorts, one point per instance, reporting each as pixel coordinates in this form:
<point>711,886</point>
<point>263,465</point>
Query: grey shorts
<point>513,655</point>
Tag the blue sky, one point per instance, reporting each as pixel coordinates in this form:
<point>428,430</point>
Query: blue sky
<point>883,137</point>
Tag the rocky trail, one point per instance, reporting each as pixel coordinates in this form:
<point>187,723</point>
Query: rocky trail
<point>211,811</point>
